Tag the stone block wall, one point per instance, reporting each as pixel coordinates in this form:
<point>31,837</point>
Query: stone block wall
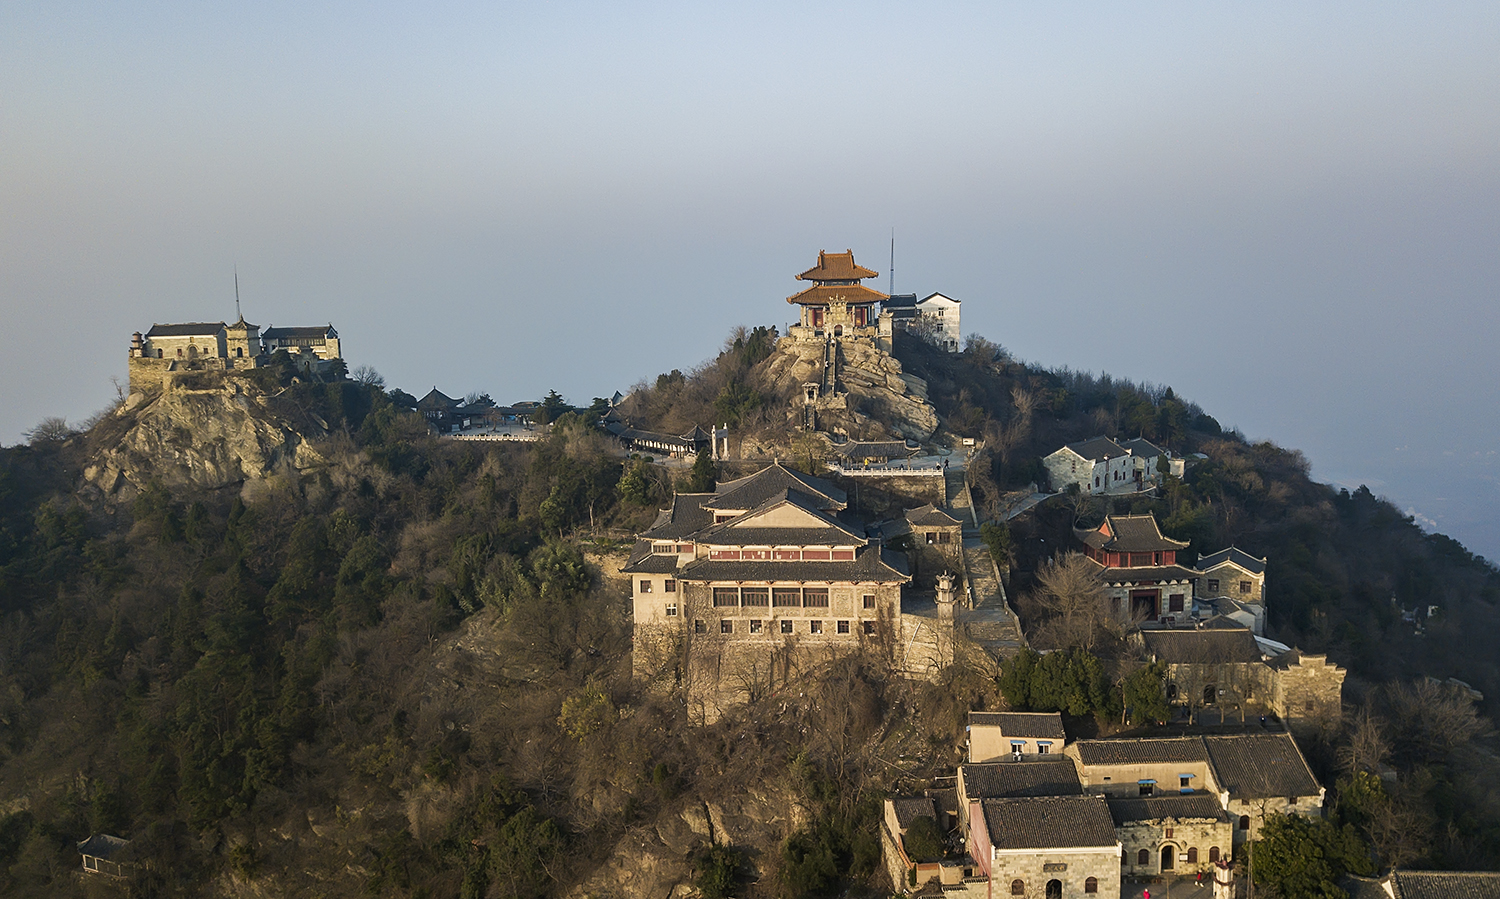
<point>1257,810</point>
<point>1309,693</point>
<point>1071,867</point>
<point>1192,834</point>
<point>1250,685</point>
<point>1064,468</point>
<point>1225,580</point>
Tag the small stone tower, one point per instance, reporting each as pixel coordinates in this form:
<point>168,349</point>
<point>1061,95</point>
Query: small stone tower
<point>241,344</point>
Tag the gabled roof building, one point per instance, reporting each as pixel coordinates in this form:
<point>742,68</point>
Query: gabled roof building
<point>764,563</point>
<point>1103,466</point>
<point>836,304</point>
<point>1144,582</point>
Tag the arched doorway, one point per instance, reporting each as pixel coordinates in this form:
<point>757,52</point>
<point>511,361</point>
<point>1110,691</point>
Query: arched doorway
<point>838,330</point>
<point>1054,889</point>
<point>1168,858</point>
<point>1210,693</point>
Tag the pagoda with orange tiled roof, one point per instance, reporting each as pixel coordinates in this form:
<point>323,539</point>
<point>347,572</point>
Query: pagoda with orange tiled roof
<point>837,302</point>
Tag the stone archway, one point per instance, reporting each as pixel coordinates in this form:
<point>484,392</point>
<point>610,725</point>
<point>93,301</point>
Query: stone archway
<point>1054,889</point>
<point>1168,857</point>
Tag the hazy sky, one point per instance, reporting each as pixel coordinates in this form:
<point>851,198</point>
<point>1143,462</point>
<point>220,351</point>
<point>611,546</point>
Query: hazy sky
<point>1288,212</point>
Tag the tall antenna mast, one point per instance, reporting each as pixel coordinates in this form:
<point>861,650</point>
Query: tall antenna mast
<point>239,316</point>
<point>890,282</point>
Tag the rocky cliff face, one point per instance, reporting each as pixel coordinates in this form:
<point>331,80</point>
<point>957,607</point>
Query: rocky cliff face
<point>221,435</point>
<point>871,396</point>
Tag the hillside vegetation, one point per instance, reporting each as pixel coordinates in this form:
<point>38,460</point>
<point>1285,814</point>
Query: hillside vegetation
<point>402,669</point>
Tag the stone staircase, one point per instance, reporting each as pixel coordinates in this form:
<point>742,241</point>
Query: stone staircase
<point>960,504</point>
<point>990,621</point>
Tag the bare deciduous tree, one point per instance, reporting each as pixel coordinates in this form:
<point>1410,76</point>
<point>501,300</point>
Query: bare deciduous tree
<point>368,376</point>
<point>1368,746</point>
<point>49,430</point>
<point>1070,587</point>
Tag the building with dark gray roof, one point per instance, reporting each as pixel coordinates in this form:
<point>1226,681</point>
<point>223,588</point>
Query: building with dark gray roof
<point>1045,822</point>
<point>1425,885</point>
<point>1001,735</point>
<point>764,562</point>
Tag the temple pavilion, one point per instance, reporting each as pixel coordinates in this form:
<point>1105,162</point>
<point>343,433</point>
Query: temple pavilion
<point>837,303</point>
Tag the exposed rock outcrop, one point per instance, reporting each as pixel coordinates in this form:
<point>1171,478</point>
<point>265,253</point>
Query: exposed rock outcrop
<point>868,394</point>
<point>224,433</point>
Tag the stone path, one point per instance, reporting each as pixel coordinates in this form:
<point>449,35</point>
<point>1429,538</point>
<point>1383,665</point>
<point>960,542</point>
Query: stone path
<point>990,622</point>
<point>1027,504</point>
<point>959,503</point>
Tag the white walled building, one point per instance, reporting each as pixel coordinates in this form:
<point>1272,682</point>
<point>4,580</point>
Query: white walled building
<point>943,311</point>
<point>1098,465</point>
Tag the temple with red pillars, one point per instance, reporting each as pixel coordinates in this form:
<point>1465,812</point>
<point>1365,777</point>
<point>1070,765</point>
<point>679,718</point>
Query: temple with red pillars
<point>1138,564</point>
<point>837,304</point>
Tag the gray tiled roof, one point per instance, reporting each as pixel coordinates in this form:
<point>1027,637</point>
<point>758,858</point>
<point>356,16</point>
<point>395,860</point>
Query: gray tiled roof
<point>642,561</point>
<point>875,449</point>
<point>1258,766</point>
<point>685,518</point>
<point>1097,449</point>
<point>1237,556</point>
<point>636,435</point>
<point>186,329</point>
<point>998,780</point>
<point>832,535</point>
<point>313,331</point>
<point>910,808</point>
<point>1140,446</point>
<point>1447,884</point>
<point>1364,887</point>
<point>742,532</point>
<point>1199,806</point>
<point>1141,751</point>
<point>752,490</point>
<point>1222,623</point>
<point>1049,822</point>
<point>105,846</point>
<point>1153,573</point>
<point>931,516</point>
<point>1131,533</point>
<point>868,566</point>
<point>1046,725</point>
<point>1212,646</point>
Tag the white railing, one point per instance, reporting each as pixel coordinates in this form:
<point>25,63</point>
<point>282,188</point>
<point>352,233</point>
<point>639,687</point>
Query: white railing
<point>910,471</point>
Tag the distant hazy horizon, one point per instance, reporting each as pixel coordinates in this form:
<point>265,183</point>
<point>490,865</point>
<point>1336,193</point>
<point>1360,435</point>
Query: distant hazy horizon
<point>1288,213</point>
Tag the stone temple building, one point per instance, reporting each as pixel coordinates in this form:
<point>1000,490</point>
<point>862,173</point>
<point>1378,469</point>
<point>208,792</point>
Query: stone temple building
<point>166,351</point>
<point>837,304</point>
<point>768,571</point>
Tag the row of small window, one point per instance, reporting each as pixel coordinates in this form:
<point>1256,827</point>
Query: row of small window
<point>781,554</point>
<point>783,625</point>
<point>1148,787</point>
<point>779,597</point>
<point>670,586</point>
<point>670,548</point>
<point>1213,586</point>
<point>1143,857</point>
<point>1018,887</point>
